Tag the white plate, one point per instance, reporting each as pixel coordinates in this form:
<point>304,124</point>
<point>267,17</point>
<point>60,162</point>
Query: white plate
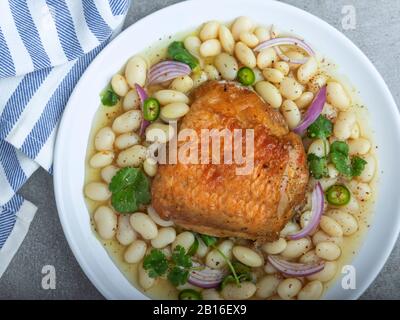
<point>76,123</point>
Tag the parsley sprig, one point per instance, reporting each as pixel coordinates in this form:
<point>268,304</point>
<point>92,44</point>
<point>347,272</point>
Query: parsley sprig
<point>339,156</point>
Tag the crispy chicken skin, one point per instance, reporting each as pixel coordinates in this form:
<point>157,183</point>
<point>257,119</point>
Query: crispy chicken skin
<point>211,198</point>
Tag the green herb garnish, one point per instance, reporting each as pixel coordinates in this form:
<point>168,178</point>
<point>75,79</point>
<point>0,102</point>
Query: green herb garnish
<point>130,188</point>
<point>178,52</point>
<point>320,128</point>
<point>243,273</point>
<point>318,166</point>
<point>155,263</point>
<point>109,98</point>
<point>357,165</point>
<point>208,240</point>
<point>339,156</point>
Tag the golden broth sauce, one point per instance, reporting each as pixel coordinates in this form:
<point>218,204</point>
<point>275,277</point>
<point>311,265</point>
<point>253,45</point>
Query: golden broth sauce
<point>163,289</point>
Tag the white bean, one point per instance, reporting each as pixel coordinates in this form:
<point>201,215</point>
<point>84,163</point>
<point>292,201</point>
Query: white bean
<point>266,58</point>
<point>327,183</point>
<point>344,124</point>
<point>212,72</point>
<point>211,294</point>
<point>164,237</point>
<point>119,85</point>
<point>290,88</point>
<point>336,96</point>
<point>355,132</point>
<point>192,44</point>
<point>128,121</point>
<point>291,113</point>
<point>210,48</point>
<point>101,159</point>
<point>316,83</point>
<point>273,75</point>
<point>131,100</point>
<point>142,224</point>
<point>275,247</point>
<point>97,191</point>
<point>182,84</point>
<point>104,139</point>
<point>328,251</point>
<point>267,286</point>
<point>305,218</point>
<point>361,190</point>
<point>159,132</point>
<point>307,70</point>
<point>282,66</point>
<point>199,78</point>
<point>125,234</point>
<point>309,257</point>
<point>289,288</point>
<point>174,111</point>
<point>321,236</point>
<point>245,55</point>
<point>202,250</point>
<point>241,24</point>
<point>319,147</point>
<point>294,55</point>
<point>290,228</point>
<point>136,71</point>
<point>295,248</point>
<point>127,140</point>
<point>226,39</point>
<point>359,146</point>
<point>249,39</point>
<point>169,96</point>
<point>270,269</point>
<point>311,291</point>
<point>145,281</point>
<point>150,167</point>
<point>269,93</point>
<point>107,173</point>
<point>135,252</point>
<point>332,171</point>
<point>247,256</point>
<point>209,31</point>
<point>258,75</point>
<point>326,274</point>
<point>184,239</point>
<point>353,206</point>
<point>331,227</point>
<point>304,100</point>
<point>369,170</point>
<point>106,222</point>
<point>262,34</point>
<point>157,219</point>
<point>132,157</point>
<point>243,292</point>
<point>227,66</point>
<point>215,260</point>
<point>348,223</point>
<point>329,111</point>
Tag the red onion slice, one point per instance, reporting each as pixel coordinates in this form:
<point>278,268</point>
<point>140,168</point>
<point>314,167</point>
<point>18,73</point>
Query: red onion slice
<point>142,96</point>
<point>317,208</point>
<point>206,278</point>
<point>168,70</point>
<point>295,269</point>
<point>313,112</point>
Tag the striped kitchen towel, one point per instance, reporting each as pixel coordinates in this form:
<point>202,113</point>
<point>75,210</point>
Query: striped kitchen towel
<point>45,46</point>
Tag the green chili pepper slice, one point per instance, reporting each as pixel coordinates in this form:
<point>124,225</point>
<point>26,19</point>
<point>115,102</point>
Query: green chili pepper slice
<point>151,109</point>
<point>246,76</point>
<point>338,195</point>
<point>190,294</point>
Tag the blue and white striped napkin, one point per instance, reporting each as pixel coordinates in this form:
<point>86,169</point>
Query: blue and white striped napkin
<point>45,46</point>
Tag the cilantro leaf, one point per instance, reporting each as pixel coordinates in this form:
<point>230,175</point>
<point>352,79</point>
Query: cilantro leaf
<point>180,258</point>
<point>243,273</point>
<point>357,166</point>
<point>318,166</point>
<point>208,240</point>
<point>155,263</point>
<point>320,128</point>
<point>130,188</point>
<point>178,52</point>
<point>178,276</point>
<point>340,147</point>
<point>109,98</point>
<point>341,162</point>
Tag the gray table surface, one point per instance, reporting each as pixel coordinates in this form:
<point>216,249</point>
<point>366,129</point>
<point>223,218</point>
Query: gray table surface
<point>376,33</point>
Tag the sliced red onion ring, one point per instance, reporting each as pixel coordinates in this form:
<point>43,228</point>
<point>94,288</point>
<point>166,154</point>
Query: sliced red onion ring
<point>317,208</point>
<point>168,70</point>
<point>295,269</point>
<point>142,96</point>
<point>313,112</point>
<point>206,277</point>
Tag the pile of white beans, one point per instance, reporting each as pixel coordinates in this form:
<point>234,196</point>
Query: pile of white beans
<point>287,87</point>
